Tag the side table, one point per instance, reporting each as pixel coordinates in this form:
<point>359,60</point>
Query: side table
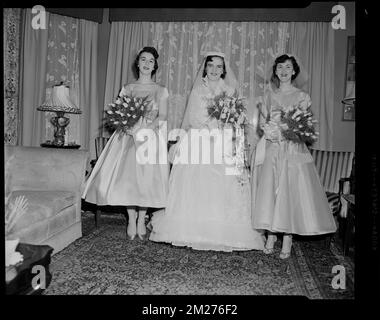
<point>33,255</point>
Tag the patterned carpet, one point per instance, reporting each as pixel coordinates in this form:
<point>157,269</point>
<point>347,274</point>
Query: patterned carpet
<point>103,262</point>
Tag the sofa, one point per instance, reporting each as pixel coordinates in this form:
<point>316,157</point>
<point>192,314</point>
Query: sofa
<point>52,181</point>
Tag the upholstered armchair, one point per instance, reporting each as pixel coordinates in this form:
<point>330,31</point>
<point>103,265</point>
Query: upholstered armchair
<point>52,181</point>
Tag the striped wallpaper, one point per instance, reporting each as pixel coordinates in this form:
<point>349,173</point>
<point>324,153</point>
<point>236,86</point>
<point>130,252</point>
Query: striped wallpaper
<point>331,166</point>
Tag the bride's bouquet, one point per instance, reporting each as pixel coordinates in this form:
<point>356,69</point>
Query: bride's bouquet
<point>228,109</point>
<point>125,112</point>
<point>297,125</point>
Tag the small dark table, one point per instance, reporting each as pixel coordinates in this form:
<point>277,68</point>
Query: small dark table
<point>33,255</point>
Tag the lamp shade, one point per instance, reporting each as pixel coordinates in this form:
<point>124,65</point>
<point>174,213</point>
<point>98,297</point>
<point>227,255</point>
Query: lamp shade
<point>59,101</point>
<point>350,93</point>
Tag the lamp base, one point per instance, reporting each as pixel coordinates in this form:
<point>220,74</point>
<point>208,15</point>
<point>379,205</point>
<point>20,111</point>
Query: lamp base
<point>60,122</point>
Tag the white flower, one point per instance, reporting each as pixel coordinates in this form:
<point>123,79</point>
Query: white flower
<point>116,122</point>
<point>128,115</point>
<point>298,118</point>
<point>223,116</point>
<point>124,122</point>
<point>132,108</point>
<point>295,114</point>
<point>109,111</point>
<point>134,116</point>
<point>300,126</point>
<point>118,101</point>
<point>307,134</point>
<point>128,100</point>
<point>125,104</point>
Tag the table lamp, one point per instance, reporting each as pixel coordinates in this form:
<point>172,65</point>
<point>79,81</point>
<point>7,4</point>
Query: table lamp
<point>59,102</point>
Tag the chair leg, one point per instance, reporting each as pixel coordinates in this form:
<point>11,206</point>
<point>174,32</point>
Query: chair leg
<point>97,217</point>
<point>328,241</point>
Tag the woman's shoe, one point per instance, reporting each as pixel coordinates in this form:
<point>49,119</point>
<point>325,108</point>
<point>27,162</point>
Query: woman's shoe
<point>131,237</point>
<point>269,245</point>
<point>141,229</point>
<point>286,249</point>
<point>142,237</point>
<point>131,229</point>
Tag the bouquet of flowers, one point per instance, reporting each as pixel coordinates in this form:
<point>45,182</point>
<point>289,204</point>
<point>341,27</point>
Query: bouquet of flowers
<point>297,125</point>
<point>125,112</point>
<point>228,109</point>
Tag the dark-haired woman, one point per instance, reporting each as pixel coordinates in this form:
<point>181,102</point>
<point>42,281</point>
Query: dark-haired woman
<point>121,176</point>
<point>287,195</point>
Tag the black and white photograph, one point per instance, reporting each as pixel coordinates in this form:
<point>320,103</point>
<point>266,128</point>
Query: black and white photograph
<point>182,152</point>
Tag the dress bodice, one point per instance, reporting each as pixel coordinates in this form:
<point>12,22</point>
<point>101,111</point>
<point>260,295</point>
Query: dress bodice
<point>277,102</point>
<point>153,91</point>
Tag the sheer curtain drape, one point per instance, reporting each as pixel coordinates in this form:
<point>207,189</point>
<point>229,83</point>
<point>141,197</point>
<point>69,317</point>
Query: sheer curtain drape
<point>63,66</point>
<point>65,51</point>
<point>313,43</point>
<point>33,81</point>
<point>249,46</point>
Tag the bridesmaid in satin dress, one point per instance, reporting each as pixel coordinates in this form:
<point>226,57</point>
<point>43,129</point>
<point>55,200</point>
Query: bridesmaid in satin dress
<point>287,195</point>
<point>119,177</point>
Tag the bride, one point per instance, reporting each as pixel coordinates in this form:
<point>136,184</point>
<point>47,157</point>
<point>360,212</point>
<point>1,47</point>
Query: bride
<point>207,208</point>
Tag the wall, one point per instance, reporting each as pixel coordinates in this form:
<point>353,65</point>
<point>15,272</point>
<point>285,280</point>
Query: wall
<point>343,131</point>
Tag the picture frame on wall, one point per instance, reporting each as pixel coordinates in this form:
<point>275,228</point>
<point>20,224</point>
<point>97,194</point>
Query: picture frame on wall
<point>349,98</point>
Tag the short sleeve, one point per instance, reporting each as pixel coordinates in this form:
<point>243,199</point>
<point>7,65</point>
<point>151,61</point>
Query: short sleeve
<point>164,94</point>
<point>305,100</point>
<point>125,90</point>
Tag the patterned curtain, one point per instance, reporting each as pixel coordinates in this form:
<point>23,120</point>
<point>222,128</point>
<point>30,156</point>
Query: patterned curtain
<point>63,66</point>
<point>11,32</point>
<point>249,47</point>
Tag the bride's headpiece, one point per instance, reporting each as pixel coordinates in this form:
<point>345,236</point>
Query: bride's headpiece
<point>229,79</point>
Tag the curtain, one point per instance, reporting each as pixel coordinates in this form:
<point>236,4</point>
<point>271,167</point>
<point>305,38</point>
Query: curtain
<point>33,81</point>
<point>11,34</point>
<point>126,38</point>
<point>313,43</point>
<point>88,93</point>
<point>249,46</point>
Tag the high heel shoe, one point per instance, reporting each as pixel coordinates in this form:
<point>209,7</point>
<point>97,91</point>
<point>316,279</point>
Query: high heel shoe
<point>141,229</point>
<point>131,234</point>
<point>269,248</point>
<point>285,252</point>
<point>131,229</point>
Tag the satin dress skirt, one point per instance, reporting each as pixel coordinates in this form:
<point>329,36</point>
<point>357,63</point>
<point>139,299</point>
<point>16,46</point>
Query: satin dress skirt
<point>118,178</point>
